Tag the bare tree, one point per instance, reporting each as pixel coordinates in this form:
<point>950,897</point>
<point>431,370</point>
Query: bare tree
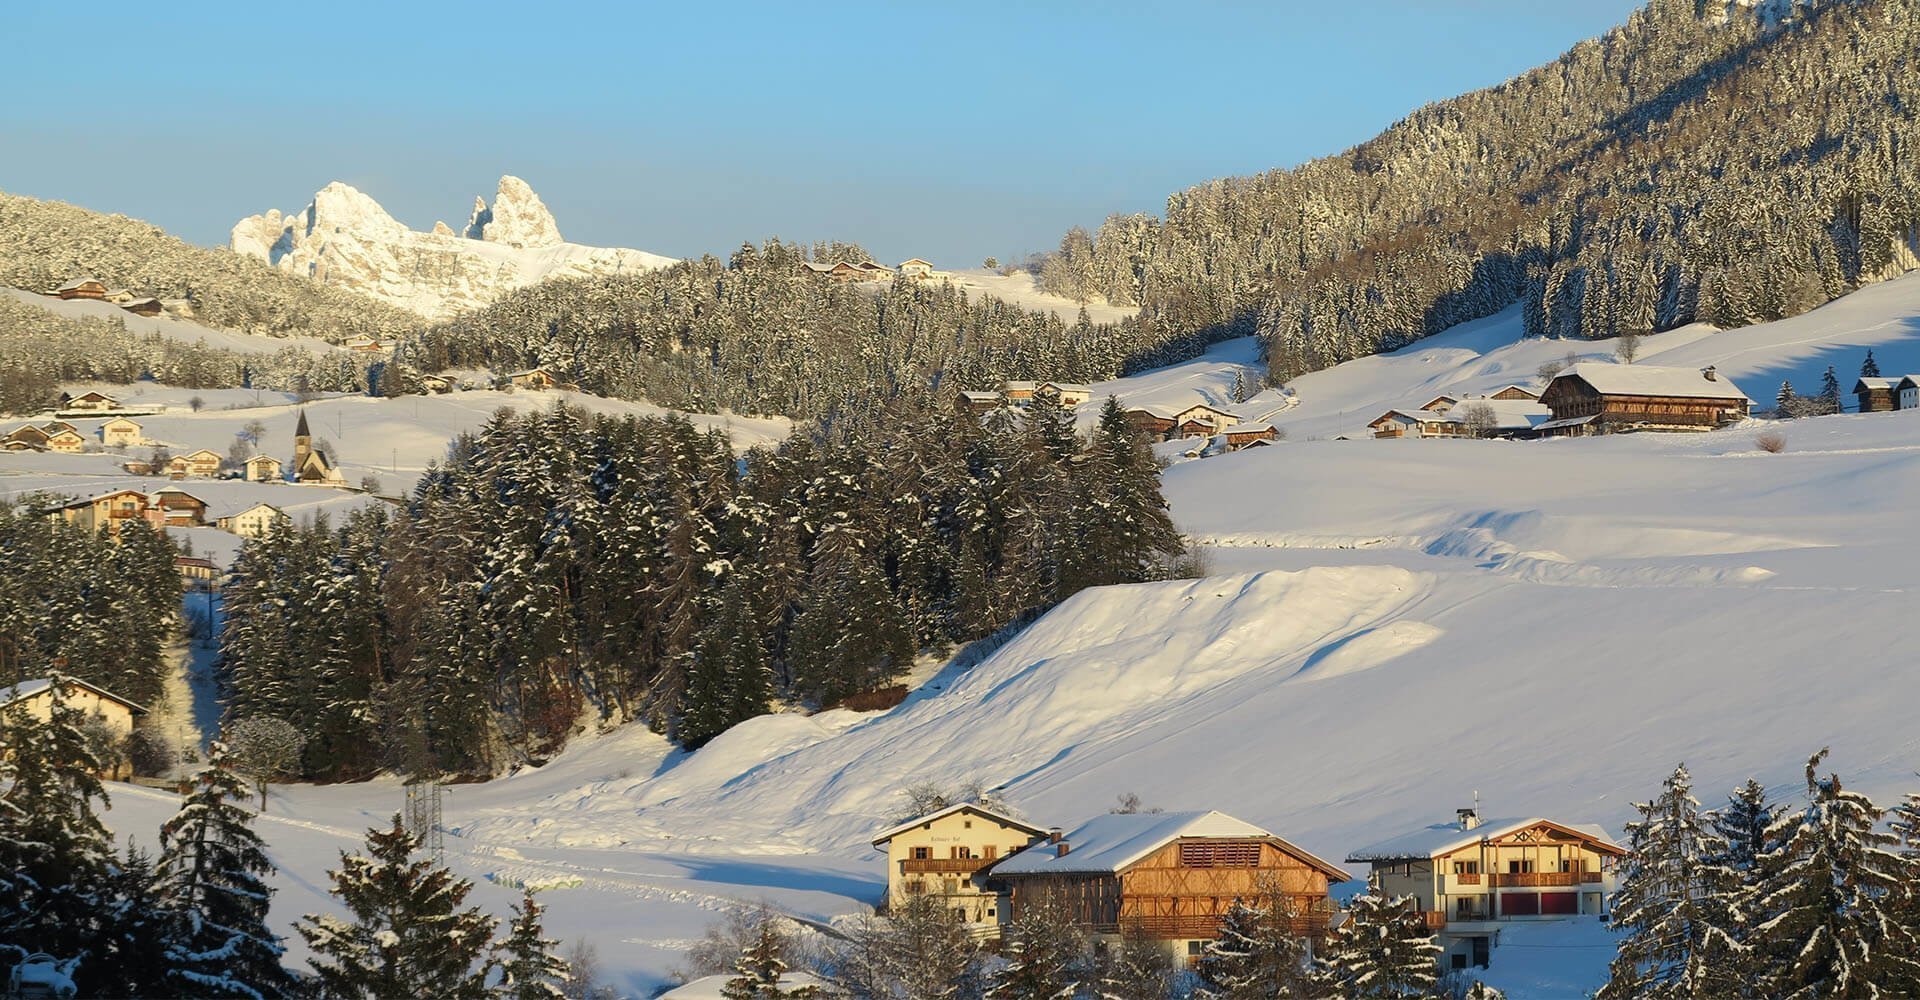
<point>196,403</point>
<point>1478,418</point>
<point>263,749</point>
<point>1627,348</point>
<point>1771,442</point>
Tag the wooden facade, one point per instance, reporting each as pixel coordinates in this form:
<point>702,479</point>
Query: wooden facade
<point>82,288</point>
<point>1515,392</point>
<point>1182,889</point>
<point>1877,395</point>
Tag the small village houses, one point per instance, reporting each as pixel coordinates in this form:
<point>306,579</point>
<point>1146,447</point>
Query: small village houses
<point>176,508</point>
<point>106,511</point>
<point>1876,395</point>
<point>262,469</point>
<point>1907,393</point>
<point>143,306</point>
<point>916,268</point>
<point>1169,877</point>
<point>202,464</point>
<point>942,854</point>
<point>532,378</point>
<point>438,384</point>
<point>117,714</point>
<point>1517,415</point>
<point>1470,877</point>
<point>252,521</point>
<point>312,465</point>
<point>67,441</point>
<point>196,571</point>
<point>1070,394</point>
<point>1597,398</point>
<point>121,432</point>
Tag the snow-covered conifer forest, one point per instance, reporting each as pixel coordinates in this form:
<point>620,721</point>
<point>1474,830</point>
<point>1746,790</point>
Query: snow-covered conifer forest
<point>598,635</point>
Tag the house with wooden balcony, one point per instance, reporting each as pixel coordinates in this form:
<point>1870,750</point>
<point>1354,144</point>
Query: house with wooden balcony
<point>1594,398</point>
<point>942,853</point>
<point>1473,877</point>
<point>106,511</point>
<point>1169,877</point>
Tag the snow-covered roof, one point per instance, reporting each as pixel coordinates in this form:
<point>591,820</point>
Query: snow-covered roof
<point>972,807</point>
<point>1874,382</point>
<point>916,260</point>
<point>1016,385</point>
<point>1434,841</point>
<point>1068,386</point>
<point>979,396</point>
<point>29,688</point>
<point>1515,386</point>
<point>1552,425</point>
<point>77,282</point>
<point>709,987</point>
<point>1652,380</point>
<point>1908,382</point>
<point>1250,428</point>
<point>1108,844</point>
<point>1508,414</point>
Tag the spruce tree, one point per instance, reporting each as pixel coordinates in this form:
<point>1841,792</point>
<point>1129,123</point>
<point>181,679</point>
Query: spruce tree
<point>1869,368</point>
<point>1044,950</point>
<point>53,847</point>
<point>136,937</point>
<point>1742,824</point>
<point>1257,953</point>
<point>529,969</point>
<point>1825,912</point>
<point>407,934</point>
<point>1133,968</point>
<point>1674,904</point>
<point>758,973</point>
<point>212,875</point>
<point>1384,950</point>
<point>1829,392</point>
<point>927,954</point>
<point>1785,403</point>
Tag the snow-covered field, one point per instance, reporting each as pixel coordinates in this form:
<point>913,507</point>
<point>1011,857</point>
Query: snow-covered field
<point>392,440</point>
<point>1019,289</point>
<point>1392,627</point>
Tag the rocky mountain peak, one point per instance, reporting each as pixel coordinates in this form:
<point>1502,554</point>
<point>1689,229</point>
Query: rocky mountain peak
<point>519,218</point>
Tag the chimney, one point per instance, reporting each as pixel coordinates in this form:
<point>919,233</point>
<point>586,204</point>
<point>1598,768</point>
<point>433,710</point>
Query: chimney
<point>1710,374</point>
<point>1061,848</point>
<point>1469,818</point>
<point>1053,835</point>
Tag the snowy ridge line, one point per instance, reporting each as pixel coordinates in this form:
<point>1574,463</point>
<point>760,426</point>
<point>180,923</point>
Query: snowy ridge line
<point>1284,540</point>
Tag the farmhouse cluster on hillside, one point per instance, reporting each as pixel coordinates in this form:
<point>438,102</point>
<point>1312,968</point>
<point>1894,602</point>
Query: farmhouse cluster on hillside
<point>133,302</point>
<point>1210,426</point>
<point>1582,399</point>
<point>1170,877</point>
<point>170,507</point>
<point>867,270</point>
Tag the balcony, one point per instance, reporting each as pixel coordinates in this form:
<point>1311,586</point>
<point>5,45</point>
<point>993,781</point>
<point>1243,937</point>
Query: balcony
<point>943,866</point>
<point>1434,919</point>
<point>1518,880</point>
<point>1467,878</point>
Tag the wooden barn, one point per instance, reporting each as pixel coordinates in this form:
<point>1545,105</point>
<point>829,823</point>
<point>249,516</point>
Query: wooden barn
<point>1251,435</point>
<point>1169,877</point>
<point>1877,395</point>
<point>144,306</point>
<point>1591,398</point>
<point>1153,423</point>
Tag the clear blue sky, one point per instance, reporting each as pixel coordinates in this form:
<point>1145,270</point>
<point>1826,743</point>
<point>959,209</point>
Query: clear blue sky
<point>940,130</point>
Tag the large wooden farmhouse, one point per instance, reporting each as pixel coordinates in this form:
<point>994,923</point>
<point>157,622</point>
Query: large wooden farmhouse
<point>1169,877</point>
<point>82,288</point>
<point>1470,876</point>
<point>941,855</point>
<point>92,402</point>
<point>1590,398</point>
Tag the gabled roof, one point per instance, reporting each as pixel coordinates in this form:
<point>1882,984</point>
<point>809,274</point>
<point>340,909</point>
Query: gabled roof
<point>978,396</point>
<point>120,420</point>
<point>969,807</point>
<point>1109,844</point>
<point>1412,416</point>
<point>92,394</point>
<point>1065,386</point>
<point>77,282</point>
<point>1652,380</point>
<point>1436,841</point>
<point>1443,397</point>
<point>1516,387</point>
<point>190,456</point>
<point>1251,428</point>
<point>915,260</point>
<point>1868,382</point>
<point>29,688</point>
<point>1908,382</point>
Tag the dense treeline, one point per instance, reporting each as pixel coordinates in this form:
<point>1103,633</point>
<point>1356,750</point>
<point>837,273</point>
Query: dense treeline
<point>755,334</point>
<point>79,920</point>
<point>1689,165</point>
<point>563,568</point>
<point>39,350</point>
<point>45,243</point>
<point>77,602</point>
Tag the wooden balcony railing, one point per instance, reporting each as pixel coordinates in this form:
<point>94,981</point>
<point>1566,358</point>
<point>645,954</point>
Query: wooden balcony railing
<point>1536,879</point>
<point>943,866</point>
<point>1467,878</point>
<point>1434,919</point>
<point>1590,877</point>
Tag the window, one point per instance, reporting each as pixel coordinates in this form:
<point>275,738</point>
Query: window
<point>1521,867</point>
<point>1195,949</point>
<point>1466,867</point>
<point>922,853</point>
<point>966,883</point>
<point>967,823</point>
<point>960,853</point>
<point>989,852</point>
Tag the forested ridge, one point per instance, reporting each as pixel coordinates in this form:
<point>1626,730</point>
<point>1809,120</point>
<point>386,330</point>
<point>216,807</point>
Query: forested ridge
<point>757,334</point>
<point>1697,163</point>
<point>46,243</point>
<point>565,571</point>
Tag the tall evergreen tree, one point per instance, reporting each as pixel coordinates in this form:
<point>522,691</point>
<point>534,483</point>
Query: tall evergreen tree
<point>1829,392</point>
<point>1384,950</point>
<point>1674,904</point>
<point>53,848</point>
<point>758,974</point>
<point>1825,910</point>
<point>1869,368</point>
<point>529,969</point>
<point>212,878</point>
<point>1256,955</point>
<point>1785,402</point>
<point>1045,953</point>
<point>1742,825</point>
<point>1133,968</point>
<point>136,936</point>
<point>408,934</point>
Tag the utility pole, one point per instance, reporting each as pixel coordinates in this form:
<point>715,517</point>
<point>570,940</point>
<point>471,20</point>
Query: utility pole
<point>423,816</point>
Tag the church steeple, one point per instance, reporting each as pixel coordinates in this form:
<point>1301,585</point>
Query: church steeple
<point>302,447</point>
<point>301,430</point>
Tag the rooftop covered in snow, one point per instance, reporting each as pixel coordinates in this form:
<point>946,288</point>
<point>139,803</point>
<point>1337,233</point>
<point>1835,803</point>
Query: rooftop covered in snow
<point>1652,380</point>
<point>1444,838</point>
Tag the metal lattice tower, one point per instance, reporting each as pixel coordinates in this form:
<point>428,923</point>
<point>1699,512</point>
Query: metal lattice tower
<point>423,816</point>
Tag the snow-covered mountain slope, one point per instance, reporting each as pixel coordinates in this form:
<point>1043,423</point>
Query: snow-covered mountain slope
<point>1390,628</point>
<point>344,237</point>
<point>1485,355</point>
<point>169,327</point>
